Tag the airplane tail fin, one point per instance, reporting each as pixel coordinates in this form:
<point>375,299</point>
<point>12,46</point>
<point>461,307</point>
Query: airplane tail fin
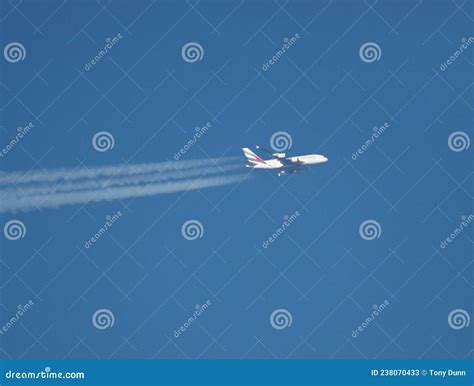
<point>251,156</point>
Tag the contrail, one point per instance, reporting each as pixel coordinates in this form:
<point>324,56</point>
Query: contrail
<point>59,187</point>
<point>114,193</point>
<point>115,170</point>
<point>89,184</point>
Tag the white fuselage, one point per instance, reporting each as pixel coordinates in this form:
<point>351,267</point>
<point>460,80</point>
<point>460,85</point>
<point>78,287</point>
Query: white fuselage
<point>309,159</point>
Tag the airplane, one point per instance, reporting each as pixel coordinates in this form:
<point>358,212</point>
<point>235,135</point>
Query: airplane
<point>279,161</point>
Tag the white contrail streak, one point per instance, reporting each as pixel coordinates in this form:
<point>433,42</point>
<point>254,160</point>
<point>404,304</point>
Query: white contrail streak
<point>49,188</point>
<point>54,188</point>
<point>105,171</point>
<point>113,193</point>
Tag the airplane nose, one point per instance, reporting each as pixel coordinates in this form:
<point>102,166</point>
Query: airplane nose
<point>325,159</point>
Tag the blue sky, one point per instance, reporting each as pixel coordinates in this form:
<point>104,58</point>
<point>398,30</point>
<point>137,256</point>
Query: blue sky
<point>327,98</point>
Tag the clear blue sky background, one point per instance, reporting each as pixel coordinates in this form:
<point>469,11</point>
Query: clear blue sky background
<point>325,97</point>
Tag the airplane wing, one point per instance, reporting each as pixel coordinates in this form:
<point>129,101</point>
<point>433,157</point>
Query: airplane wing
<point>274,155</point>
<point>290,166</point>
<point>288,162</point>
